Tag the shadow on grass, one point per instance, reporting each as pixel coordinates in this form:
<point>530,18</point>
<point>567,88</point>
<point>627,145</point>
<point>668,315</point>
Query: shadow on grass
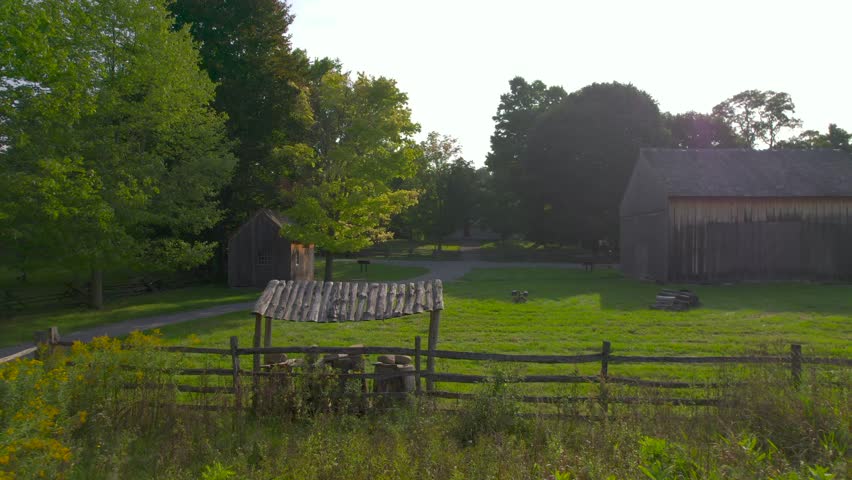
<point>619,293</point>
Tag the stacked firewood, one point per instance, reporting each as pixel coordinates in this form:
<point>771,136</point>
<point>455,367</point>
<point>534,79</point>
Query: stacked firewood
<point>676,300</point>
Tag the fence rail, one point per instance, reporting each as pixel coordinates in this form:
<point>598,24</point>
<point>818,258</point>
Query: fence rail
<point>50,339</point>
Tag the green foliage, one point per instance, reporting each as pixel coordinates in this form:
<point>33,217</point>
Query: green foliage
<point>261,85</point>
<point>494,410</point>
<point>113,156</point>
<point>54,409</point>
<point>359,145</point>
<point>663,460</point>
<point>217,471</point>
<point>580,157</point>
<point>758,115</point>
<point>699,130</point>
<point>518,111</point>
<point>448,191</point>
<point>836,138</point>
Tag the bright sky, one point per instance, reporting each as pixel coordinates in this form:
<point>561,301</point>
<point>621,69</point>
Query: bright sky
<point>455,58</point>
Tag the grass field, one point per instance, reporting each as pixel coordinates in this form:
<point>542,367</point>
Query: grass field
<point>346,269</point>
<point>19,328</point>
<point>572,312</point>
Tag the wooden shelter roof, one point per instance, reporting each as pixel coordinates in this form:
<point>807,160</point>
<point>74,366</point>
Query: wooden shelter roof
<point>325,302</point>
<point>750,173</point>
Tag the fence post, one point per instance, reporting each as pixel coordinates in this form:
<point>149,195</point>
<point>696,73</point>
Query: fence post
<point>255,369</point>
<point>417,365</point>
<point>434,325</point>
<point>604,397</point>
<point>235,364</point>
<point>48,337</point>
<point>796,364</point>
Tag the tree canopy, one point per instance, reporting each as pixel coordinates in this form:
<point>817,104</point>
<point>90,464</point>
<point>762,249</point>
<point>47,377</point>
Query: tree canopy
<point>261,85</point>
<point>360,142</point>
<point>516,114</point>
<point>580,157</point>
<point>111,155</point>
<point>758,115</point>
<point>836,138</point>
<point>699,130</point>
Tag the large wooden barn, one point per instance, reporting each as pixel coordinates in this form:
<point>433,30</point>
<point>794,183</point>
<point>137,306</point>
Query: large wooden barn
<point>257,253</point>
<point>729,215</point>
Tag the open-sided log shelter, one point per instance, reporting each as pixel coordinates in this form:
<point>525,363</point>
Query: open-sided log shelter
<point>332,302</point>
<point>257,253</point>
<point>732,214</point>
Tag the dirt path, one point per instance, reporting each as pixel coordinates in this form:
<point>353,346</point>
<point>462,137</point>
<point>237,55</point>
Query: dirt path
<point>447,271</point>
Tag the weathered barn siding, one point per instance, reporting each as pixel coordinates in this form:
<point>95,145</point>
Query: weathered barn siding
<point>257,253</point>
<point>643,233</point>
<point>301,261</point>
<point>644,245</point>
<point>726,239</point>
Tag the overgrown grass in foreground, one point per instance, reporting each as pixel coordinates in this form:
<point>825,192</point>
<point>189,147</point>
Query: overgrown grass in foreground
<point>78,422</point>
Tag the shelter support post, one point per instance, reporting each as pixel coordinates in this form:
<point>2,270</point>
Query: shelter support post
<point>434,325</point>
<point>258,319</point>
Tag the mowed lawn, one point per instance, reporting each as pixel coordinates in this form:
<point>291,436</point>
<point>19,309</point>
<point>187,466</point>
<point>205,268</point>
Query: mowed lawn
<point>573,311</point>
<point>19,327</point>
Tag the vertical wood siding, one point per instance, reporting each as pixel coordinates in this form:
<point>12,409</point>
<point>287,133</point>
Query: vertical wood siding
<point>257,254</point>
<point>728,239</point>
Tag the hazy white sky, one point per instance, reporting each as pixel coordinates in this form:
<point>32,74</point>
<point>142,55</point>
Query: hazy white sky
<point>455,58</point>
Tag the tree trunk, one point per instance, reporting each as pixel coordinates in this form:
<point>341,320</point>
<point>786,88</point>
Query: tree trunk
<point>329,266</point>
<point>96,289</point>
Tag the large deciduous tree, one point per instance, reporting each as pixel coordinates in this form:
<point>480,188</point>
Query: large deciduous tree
<point>360,143</point>
<point>111,155</point>
<point>699,130</point>
<point>245,48</point>
<point>516,114</point>
<point>758,115</point>
<point>581,154</point>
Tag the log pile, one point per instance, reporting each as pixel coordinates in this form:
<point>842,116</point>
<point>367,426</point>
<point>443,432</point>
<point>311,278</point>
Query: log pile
<point>675,300</point>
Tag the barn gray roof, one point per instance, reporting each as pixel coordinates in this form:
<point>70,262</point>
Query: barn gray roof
<point>751,173</point>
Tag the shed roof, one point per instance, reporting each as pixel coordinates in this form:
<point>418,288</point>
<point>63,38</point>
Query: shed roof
<point>751,173</point>
<point>325,302</point>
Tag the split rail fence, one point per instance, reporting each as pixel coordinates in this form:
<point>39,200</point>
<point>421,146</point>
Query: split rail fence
<point>243,391</point>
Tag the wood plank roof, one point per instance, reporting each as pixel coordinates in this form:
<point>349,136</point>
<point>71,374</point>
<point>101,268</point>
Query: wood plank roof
<point>325,302</point>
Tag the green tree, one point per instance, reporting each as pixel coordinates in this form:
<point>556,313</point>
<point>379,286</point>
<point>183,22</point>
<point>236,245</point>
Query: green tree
<point>699,130</point>
<point>261,85</point>
<point>447,189</point>
<point>112,156</point>
<point>581,154</point>
<point>516,115</point>
<point>360,143</point>
<point>836,138</point>
<point>758,115</point>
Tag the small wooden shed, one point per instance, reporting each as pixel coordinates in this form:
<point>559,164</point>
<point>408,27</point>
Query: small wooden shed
<point>734,214</point>
<point>257,253</point>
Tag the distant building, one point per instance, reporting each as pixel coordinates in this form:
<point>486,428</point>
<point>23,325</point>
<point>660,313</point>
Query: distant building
<point>257,253</point>
<point>728,215</point>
